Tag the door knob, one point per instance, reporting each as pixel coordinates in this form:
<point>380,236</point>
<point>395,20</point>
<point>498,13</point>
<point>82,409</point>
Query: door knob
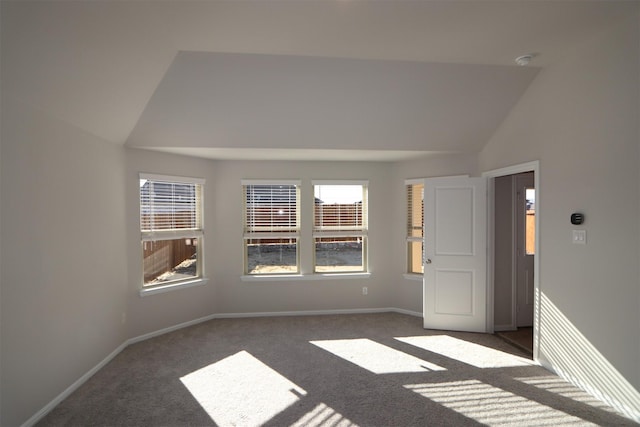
<point>428,261</point>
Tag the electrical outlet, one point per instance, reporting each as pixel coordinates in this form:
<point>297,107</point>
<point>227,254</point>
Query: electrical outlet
<point>123,318</point>
<point>365,290</point>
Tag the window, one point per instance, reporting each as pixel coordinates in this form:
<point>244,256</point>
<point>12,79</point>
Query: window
<point>171,228</point>
<point>415,230</point>
<point>530,221</point>
<point>340,227</point>
<point>271,227</point>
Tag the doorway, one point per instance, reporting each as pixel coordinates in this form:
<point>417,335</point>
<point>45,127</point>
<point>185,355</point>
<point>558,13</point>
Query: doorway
<point>513,254</point>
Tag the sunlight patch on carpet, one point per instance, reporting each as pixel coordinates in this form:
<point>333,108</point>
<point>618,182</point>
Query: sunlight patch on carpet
<point>563,388</point>
<point>323,415</point>
<point>240,390</point>
<point>376,357</point>
<point>467,352</point>
<point>493,406</point>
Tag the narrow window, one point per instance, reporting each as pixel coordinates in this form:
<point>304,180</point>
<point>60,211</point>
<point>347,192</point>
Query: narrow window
<point>340,227</point>
<point>171,229</point>
<point>271,227</point>
<point>530,221</point>
<point>415,230</point>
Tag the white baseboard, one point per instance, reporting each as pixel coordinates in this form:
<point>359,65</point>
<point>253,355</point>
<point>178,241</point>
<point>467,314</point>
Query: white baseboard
<point>73,387</point>
<point>502,328</point>
<point>84,378</point>
<point>169,329</point>
<point>315,313</point>
<point>407,312</point>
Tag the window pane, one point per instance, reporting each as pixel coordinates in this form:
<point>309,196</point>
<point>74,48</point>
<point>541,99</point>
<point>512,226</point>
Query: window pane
<point>530,221</point>
<point>414,255</point>
<point>339,254</point>
<point>414,210</point>
<point>169,260</point>
<point>339,207</point>
<point>271,208</point>
<point>169,206</point>
<point>271,256</point>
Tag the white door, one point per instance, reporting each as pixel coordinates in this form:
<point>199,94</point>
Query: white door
<point>525,248</point>
<point>455,279</point>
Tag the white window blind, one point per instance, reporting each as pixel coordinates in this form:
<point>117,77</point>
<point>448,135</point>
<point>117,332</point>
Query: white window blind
<point>415,228</point>
<point>271,208</point>
<point>414,210</point>
<point>171,229</point>
<point>168,206</point>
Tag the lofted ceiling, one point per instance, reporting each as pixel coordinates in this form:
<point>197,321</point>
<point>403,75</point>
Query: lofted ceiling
<point>322,80</point>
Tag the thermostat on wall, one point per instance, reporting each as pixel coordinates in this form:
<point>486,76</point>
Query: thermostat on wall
<point>577,218</point>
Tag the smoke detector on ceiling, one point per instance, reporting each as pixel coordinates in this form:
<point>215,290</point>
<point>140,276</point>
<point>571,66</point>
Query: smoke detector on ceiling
<point>524,59</point>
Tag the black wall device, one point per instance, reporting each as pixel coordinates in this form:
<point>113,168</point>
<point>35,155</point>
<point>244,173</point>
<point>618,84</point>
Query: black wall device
<point>577,218</point>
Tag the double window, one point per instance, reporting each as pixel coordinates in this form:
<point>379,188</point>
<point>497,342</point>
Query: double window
<point>340,227</point>
<point>273,227</point>
<point>415,227</point>
<point>171,229</point>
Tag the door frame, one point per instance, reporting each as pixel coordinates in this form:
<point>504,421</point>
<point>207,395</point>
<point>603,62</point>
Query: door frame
<point>534,167</point>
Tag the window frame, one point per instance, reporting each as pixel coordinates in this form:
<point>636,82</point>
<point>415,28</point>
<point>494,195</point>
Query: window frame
<point>410,184</point>
<point>261,233</point>
<point>156,234</point>
<point>361,232</point>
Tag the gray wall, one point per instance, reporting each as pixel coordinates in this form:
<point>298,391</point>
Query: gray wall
<point>63,264</point>
<point>70,245</point>
<point>158,311</point>
<point>580,119</point>
<point>407,293</point>
<point>236,296</point>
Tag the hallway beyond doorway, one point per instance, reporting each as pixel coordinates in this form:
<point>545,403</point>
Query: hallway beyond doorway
<point>522,338</point>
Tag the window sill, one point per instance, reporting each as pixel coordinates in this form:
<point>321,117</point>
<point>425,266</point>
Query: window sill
<point>304,277</point>
<point>413,276</point>
<point>144,292</point>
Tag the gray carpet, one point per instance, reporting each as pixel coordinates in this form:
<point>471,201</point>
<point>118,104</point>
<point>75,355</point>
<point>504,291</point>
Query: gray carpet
<point>343,370</point>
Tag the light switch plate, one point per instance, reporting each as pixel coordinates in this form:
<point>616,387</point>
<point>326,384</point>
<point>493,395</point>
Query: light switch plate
<point>579,237</point>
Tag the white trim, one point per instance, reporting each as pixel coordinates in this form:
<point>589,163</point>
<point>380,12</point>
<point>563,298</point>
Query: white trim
<point>166,330</point>
<point>317,313</point>
<point>512,170</point>
<point>271,235</point>
<point>84,378</point>
<point>295,182</point>
<point>340,182</point>
<point>73,387</point>
<point>160,289</point>
<point>413,276</point>
<point>174,234</point>
<point>407,312</point>
<point>607,398</point>
<point>170,178</point>
<point>303,277</point>
<point>332,231</point>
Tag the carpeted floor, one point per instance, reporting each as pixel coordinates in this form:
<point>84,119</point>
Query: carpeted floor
<point>343,370</point>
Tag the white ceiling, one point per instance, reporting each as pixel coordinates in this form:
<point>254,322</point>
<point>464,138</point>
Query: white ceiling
<point>151,74</point>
